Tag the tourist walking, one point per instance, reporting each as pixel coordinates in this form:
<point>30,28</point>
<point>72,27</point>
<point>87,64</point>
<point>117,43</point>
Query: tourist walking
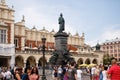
<point>55,74</point>
<point>104,72</point>
<point>79,73</point>
<point>18,74</point>
<point>65,72</point>
<point>27,73</point>
<point>96,73</point>
<point>2,74</point>
<point>114,71</point>
<point>34,74</point>
<point>60,71</point>
<point>72,72</point>
<point>101,75</point>
<point>8,75</point>
<point>93,72</point>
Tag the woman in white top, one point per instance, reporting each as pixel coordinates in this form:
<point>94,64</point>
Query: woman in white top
<point>104,72</point>
<point>79,73</point>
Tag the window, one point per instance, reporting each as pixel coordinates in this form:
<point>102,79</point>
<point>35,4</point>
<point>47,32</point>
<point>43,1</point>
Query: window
<point>119,50</point>
<point>81,49</point>
<point>88,50</point>
<point>114,46</point>
<point>111,47</point>
<point>103,48</point>
<point>119,46</point>
<point>16,43</point>
<point>3,36</point>
<point>119,55</point>
<point>107,47</point>
<point>111,55</point>
<point>115,50</point>
<point>111,51</point>
<point>30,45</point>
<point>115,55</point>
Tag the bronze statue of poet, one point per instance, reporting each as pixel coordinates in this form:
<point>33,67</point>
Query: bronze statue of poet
<point>61,23</point>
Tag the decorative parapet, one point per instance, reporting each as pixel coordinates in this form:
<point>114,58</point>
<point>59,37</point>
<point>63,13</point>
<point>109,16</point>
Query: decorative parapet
<point>49,52</point>
<point>33,51</point>
<point>3,23</point>
<point>7,49</point>
<point>85,55</point>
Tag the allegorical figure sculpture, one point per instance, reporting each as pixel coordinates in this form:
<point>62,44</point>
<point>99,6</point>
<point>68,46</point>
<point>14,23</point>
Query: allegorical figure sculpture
<point>61,23</point>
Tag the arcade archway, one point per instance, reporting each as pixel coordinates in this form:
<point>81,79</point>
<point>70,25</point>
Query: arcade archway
<point>31,61</point>
<point>94,61</point>
<point>19,61</point>
<point>40,62</point>
<point>87,61</point>
<point>80,61</point>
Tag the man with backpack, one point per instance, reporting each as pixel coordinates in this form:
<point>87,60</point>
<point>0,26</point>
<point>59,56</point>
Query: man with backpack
<point>72,72</point>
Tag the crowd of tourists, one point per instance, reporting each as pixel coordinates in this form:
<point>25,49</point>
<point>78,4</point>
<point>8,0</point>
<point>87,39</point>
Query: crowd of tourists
<point>105,72</point>
<point>17,73</point>
<point>67,72</point>
<point>96,72</point>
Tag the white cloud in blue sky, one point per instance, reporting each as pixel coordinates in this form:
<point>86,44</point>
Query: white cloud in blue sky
<point>98,19</point>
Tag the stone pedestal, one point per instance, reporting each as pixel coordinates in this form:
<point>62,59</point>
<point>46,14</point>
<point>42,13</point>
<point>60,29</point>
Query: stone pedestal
<point>60,46</point>
<point>61,41</point>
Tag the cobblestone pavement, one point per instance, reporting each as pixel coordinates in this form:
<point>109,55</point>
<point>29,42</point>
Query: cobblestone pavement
<point>86,77</point>
<point>48,74</point>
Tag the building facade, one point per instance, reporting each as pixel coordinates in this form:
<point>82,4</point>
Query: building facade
<point>112,47</point>
<point>7,53</point>
<point>28,42</point>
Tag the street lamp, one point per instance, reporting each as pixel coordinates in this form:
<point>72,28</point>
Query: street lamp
<point>43,50</point>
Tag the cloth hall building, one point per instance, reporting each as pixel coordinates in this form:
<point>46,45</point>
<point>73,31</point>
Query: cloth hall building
<point>19,45</point>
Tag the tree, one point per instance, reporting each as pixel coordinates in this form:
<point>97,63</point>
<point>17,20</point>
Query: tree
<point>107,59</point>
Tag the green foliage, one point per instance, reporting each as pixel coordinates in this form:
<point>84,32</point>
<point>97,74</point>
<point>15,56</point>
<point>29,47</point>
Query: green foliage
<point>53,58</point>
<point>107,59</point>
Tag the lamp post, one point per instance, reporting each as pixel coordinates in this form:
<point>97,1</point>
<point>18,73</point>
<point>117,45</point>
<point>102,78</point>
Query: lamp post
<point>43,50</point>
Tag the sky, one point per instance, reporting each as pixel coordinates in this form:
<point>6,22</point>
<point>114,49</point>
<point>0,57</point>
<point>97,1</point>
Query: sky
<point>98,19</point>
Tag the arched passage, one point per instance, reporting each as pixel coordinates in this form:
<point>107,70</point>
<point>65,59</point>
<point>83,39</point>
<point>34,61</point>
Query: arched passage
<point>80,61</point>
<point>94,61</point>
<point>4,61</point>
<point>31,61</point>
<point>40,62</point>
<point>87,61</point>
<point>19,61</point>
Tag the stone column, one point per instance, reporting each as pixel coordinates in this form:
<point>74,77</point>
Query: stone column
<point>36,63</point>
<point>12,61</point>
<point>24,63</point>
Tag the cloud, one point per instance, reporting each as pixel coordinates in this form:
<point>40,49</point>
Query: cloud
<point>46,16</point>
<point>33,17</point>
<point>109,32</point>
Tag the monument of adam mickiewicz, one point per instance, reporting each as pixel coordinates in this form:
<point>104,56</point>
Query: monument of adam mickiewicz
<point>61,54</point>
<point>60,36</point>
<point>61,23</point>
